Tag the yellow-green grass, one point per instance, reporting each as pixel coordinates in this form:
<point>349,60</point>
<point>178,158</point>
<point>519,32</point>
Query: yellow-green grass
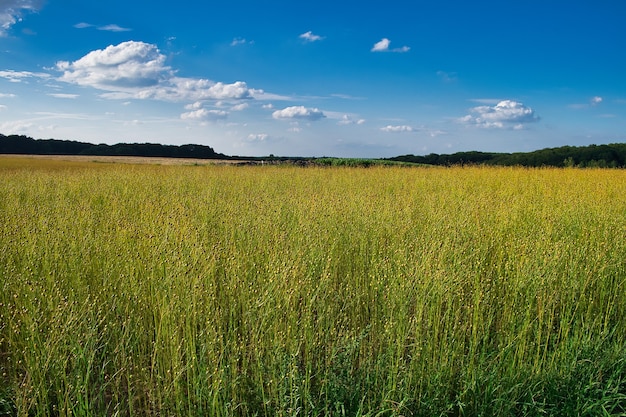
<point>219,290</point>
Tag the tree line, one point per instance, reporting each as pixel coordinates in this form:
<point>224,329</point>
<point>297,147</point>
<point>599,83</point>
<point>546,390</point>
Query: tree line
<point>602,156</point>
<point>19,144</point>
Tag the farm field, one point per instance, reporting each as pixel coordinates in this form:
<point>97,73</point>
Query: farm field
<point>140,290</point>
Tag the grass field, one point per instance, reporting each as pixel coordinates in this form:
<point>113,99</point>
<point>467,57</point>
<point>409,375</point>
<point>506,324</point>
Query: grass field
<point>137,290</point>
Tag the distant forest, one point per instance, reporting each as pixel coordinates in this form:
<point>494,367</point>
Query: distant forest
<point>18,144</point>
<point>593,156</point>
<point>601,156</point>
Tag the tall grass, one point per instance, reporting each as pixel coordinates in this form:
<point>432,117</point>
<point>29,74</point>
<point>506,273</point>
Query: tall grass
<point>223,291</point>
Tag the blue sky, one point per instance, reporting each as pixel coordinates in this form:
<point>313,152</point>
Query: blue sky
<point>324,78</point>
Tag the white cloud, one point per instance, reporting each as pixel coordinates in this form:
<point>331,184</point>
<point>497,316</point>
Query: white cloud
<point>106,28</point>
<point>194,106</point>
<point>11,12</point>
<point>124,66</point>
<point>299,112</point>
<point>137,70</point>
<point>17,126</point>
<point>505,114</point>
<point>595,100</point>
<point>397,128</point>
<point>204,114</point>
<point>241,41</point>
<point>310,37</point>
<point>349,120</point>
<point>62,95</point>
<point>19,76</point>
<point>383,46</point>
<point>259,137</point>
<point>3,107</point>
<point>7,95</point>
<point>239,107</point>
<point>113,28</point>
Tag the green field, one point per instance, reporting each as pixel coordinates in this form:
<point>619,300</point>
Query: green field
<point>133,290</point>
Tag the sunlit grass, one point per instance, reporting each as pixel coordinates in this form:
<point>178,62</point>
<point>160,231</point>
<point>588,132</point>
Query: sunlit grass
<point>165,290</point>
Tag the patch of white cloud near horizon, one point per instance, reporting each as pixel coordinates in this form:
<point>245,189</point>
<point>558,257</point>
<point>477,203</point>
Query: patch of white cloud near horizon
<point>383,46</point>
<point>137,70</point>
<point>397,129</point>
<point>310,37</point>
<point>505,114</point>
<point>204,115</point>
<point>299,112</point>
<point>11,12</point>
<point>258,137</point>
<point>2,95</point>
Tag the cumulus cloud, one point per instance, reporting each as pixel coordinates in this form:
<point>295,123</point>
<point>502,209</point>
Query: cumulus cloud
<point>258,137</point>
<point>11,12</point>
<point>349,120</point>
<point>299,112</point>
<point>310,37</point>
<point>137,70</point>
<point>505,114</point>
<point>595,100</point>
<point>383,46</point>
<point>2,95</point>
<point>127,65</point>
<point>2,107</point>
<point>397,128</point>
<point>204,114</point>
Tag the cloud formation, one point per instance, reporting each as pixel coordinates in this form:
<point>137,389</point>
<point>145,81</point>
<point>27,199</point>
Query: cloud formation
<point>107,28</point>
<point>258,137</point>
<point>137,70</point>
<point>240,41</point>
<point>505,114</point>
<point>310,37</point>
<point>113,28</point>
<point>397,129</point>
<point>19,76</point>
<point>383,46</point>
<point>11,12</point>
<point>299,112</point>
<point>349,120</point>
<point>595,100</point>
<point>204,114</point>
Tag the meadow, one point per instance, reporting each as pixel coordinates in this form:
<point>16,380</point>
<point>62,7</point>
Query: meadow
<point>145,290</point>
